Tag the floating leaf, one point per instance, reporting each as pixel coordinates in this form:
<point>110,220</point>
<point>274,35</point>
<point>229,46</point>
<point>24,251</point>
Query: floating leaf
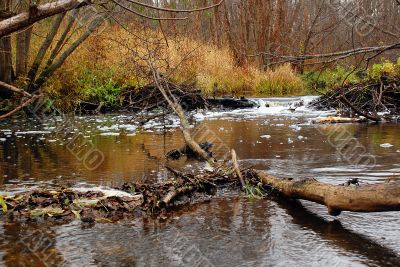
<point>49,211</point>
<point>84,202</point>
<point>77,214</point>
<point>104,220</point>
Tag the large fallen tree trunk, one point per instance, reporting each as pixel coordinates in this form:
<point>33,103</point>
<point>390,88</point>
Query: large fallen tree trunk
<point>369,198</point>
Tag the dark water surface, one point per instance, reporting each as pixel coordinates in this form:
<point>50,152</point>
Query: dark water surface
<point>227,231</point>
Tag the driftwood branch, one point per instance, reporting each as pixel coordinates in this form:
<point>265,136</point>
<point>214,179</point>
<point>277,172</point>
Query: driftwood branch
<point>345,101</point>
<point>173,194</point>
<point>14,89</point>
<point>236,168</point>
<point>367,198</point>
<point>177,108</point>
<point>26,103</point>
<point>176,10</point>
<point>328,57</point>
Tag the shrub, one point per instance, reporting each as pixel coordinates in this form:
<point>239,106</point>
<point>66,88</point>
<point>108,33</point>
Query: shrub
<point>386,68</point>
<point>110,61</point>
<point>322,81</point>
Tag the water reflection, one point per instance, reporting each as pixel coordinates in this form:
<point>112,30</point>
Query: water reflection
<point>232,231</point>
<point>229,232</point>
<point>29,245</point>
<point>364,249</point>
<point>294,148</point>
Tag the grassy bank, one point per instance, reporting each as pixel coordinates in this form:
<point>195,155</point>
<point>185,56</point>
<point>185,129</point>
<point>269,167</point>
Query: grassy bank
<point>111,61</point>
<point>328,79</point>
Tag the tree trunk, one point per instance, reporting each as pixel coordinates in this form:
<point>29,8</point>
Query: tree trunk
<point>22,52</point>
<point>279,23</point>
<point>177,108</point>
<point>367,198</point>
<point>50,69</point>
<point>45,46</point>
<point>6,68</point>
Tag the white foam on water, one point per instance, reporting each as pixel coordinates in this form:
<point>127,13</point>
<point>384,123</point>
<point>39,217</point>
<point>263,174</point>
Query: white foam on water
<point>289,106</point>
<point>295,127</point>
<point>128,127</point>
<point>32,132</point>
<point>108,128</point>
<point>386,145</point>
<point>109,134</point>
<point>267,136</point>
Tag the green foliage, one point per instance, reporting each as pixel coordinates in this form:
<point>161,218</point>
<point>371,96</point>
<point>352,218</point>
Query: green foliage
<point>3,204</point>
<point>386,68</point>
<point>97,87</point>
<point>6,105</point>
<point>328,79</point>
<point>331,78</point>
<point>252,191</point>
<point>274,88</point>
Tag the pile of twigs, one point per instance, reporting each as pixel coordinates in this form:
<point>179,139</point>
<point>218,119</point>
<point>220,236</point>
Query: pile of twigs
<point>149,97</point>
<point>366,98</point>
<point>65,204</point>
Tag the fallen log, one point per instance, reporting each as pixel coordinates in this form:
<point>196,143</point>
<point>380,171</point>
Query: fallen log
<point>129,199</point>
<point>368,198</point>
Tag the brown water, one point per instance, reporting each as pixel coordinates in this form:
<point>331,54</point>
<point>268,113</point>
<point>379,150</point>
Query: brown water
<point>227,231</point>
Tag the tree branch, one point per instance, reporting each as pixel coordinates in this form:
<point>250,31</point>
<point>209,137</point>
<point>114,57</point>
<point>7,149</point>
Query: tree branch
<point>176,10</point>
<point>24,19</point>
<point>14,89</point>
<point>26,103</point>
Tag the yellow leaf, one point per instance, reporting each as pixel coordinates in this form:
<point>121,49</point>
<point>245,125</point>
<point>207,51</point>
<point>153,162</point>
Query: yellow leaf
<point>3,204</point>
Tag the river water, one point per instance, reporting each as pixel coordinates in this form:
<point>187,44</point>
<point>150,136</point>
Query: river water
<point>229,230</point>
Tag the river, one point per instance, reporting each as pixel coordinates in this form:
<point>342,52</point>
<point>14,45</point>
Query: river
<point>229,230</point>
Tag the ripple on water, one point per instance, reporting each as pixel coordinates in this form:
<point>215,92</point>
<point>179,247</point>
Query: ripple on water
<point>228,232</point>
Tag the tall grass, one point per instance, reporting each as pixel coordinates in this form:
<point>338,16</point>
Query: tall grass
<point>110,61</point>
